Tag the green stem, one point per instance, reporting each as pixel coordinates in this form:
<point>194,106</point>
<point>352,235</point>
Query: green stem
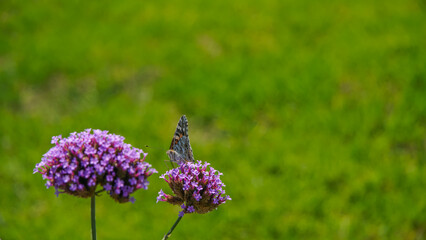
<point>92,211</point>
<point>171,229</point>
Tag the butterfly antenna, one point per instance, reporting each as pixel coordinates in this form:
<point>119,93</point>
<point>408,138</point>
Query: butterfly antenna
<point>147,146</point>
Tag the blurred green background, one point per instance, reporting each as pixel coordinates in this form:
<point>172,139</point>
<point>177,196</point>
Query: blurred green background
<point>314,111</point>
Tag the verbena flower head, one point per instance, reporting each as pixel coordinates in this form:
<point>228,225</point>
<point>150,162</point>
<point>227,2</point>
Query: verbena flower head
<point>78,164</point>
<point>197,188</point>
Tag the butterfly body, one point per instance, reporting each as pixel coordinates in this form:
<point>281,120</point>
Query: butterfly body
<point>180,149</point>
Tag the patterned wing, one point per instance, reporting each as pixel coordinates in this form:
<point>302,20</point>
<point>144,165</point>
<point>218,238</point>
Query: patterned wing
<point>175,157</point>
<point>180,148</point>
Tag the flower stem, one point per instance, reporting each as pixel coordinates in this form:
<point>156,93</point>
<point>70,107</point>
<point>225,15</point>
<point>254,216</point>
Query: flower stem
<point>171,229</point>
<point>92,211</point>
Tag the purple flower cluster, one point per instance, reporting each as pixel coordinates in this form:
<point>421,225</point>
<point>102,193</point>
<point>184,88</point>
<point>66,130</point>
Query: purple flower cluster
<point>196,188</point>
<point>77,164</point>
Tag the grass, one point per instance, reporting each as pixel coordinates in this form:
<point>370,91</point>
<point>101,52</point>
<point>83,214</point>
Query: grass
<point>314,111</point>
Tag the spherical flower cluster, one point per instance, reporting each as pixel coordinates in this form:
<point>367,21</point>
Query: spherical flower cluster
<point>78,164</point>
<point>196,188</point>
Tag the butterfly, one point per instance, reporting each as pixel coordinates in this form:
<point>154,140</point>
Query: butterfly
<point>180,150</point>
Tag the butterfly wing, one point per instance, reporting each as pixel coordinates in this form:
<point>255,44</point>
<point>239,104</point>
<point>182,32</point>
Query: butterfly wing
<point>180,148</point>
<point>175,157</point>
